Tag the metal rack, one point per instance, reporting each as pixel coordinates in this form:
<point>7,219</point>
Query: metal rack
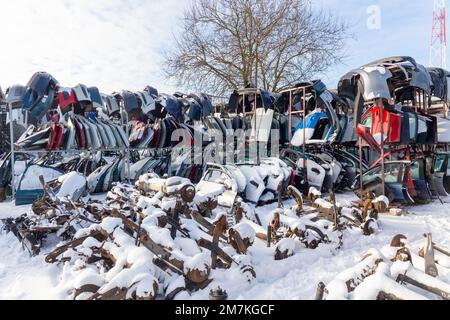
<point>127,150</point>
<point>302,113</point>
<point>248,92</point>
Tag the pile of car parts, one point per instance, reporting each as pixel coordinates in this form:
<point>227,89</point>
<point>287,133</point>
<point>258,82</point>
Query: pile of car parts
<point>162,237</point>
<point>393,273</point>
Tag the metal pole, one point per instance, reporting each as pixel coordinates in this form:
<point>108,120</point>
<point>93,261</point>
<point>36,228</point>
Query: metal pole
<point>361,183</point>
<point>290,118</point>
<point>124,114</point>
<point>258,160</point>
<point>11,131</point>
<point>383,175</point>
<point>304,132</point>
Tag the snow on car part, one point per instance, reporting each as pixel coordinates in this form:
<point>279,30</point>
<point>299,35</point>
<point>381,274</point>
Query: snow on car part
<point>30,188</point>
<point>218,182</point>
<point>170,186</point>
<point>336,166</point>
<point>72,185</point>
<point>146,102</point>
<point>317,130</point>
<point>82,93</point>
<point>382,275</point>
<point>255,185</point>
<point>316,173</point>
<point>279,174</point>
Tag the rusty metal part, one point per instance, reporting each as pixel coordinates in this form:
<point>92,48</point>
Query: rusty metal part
<point>282,255</point>
<point>328,213</point>
<point>366,272</point>
<point>274,226</point>
<point>435,247</point>
<point>403,254</point>
<point>100,235</point>
<point>319,236</point>
<point>148,298</point>
<point>403,278</point>
<point>294,192</point>
<point>220,253</point>
<point>166,266</point>
<point>239,212</point>
<point>198,276</point>
<point>387,296</point>
<point>145,239</point>
<point>40,206</point>
<point>187,193</point>
<point>397,241</point>
<point>269,236</point>
<point>218,295</point>
<point>313,197</point>
<point>236,241</point>
<point>197,217</point>
<point>220,226</point>
<point>370,227</point>
<point>206,208</point>
<point>247,269</point>
<point>114,294</point>
<point>367,206</point>
<point>320,292</point>
<point>88,288</point>
<point>171,296</point>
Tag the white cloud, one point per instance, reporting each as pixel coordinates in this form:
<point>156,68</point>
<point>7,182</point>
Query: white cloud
<point>113,44</point>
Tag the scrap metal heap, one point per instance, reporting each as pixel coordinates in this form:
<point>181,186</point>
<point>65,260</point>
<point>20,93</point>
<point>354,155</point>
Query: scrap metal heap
<point>162,236</point>
<point>393,273</point>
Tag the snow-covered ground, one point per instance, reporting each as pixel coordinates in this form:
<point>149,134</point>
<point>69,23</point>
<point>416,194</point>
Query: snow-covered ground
<point>22,277</point>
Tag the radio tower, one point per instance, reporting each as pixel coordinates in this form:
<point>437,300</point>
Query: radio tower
<point>438,52</point>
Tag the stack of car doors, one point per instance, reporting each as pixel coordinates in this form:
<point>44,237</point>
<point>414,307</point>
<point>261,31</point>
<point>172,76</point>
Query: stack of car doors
<point>322,124</point>
<point>325,171</point>
<point>39,95</point>
<point>74,132</point>
<point>411,179</point>
<point>258,184</point>
<point>441,176</point>
<point>327,120</point>
<point>390,98</point>
<point>440,98</point>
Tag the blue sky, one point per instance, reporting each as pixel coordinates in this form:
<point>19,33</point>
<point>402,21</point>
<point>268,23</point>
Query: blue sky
<point>405,30</point>
<point>118,44</point>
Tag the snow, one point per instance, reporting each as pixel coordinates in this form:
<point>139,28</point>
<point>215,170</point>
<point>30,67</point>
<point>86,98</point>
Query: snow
<point>383,199</point>
<point>72,185</point>
<point>245,231</point>
<point>31,177</point>
<point>288,245</point>
<point>200,262</point>
<point>88,276</point>
<point>110,224</point>
<point>22,277</point>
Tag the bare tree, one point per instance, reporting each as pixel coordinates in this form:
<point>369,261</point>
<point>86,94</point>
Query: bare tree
<point>226,44</point>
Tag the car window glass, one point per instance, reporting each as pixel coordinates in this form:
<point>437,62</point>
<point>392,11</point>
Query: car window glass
<point>368,122</point>
<point>394,173</point>
<point>412,126</point>
<point>417,171</point>
<point>439,163</point>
